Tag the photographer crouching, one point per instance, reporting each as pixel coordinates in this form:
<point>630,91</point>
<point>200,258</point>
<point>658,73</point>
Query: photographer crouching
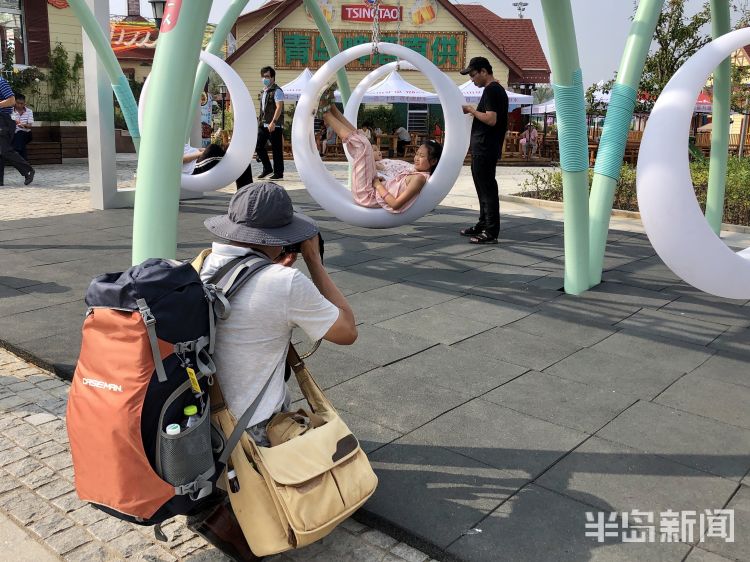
<point>251,345</point>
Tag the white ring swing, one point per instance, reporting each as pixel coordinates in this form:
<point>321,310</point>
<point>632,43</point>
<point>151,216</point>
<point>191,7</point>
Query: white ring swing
<point>245,133</point>
<point>335,197</point>
<point>674,222</point>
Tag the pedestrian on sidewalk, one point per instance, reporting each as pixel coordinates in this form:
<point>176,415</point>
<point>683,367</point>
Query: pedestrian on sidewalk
<point>8,154</point>
<point>271,125</point>
<point>487,134</point>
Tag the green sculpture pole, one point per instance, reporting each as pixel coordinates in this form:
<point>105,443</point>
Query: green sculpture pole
<point>108,59</point>
<point>168,102</point>
<point>717,172</point>
<point>214,47</point>
<point>615,134</point>
<point>331,45</point>
<point>573,135</point>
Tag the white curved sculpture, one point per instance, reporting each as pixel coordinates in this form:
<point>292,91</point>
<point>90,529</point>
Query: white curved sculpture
<point>334,196</point>
<point>244,136</point>
<point>670,212</point>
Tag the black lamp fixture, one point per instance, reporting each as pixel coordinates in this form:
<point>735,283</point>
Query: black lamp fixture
<point>157,6</point>
<point>223,97</point>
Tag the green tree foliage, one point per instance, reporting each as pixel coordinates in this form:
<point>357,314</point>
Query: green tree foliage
<point>677,37</point>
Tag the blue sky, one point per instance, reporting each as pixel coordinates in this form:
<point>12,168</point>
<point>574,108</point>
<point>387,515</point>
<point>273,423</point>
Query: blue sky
<point>601,27</point>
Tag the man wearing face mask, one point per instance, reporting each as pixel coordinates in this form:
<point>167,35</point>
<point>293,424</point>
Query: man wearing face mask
<point>271,125</point>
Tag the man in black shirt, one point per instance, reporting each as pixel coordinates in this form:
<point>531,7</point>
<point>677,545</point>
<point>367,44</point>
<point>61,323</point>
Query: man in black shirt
<point>487,135</point>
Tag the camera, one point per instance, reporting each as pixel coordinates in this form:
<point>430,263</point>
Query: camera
<point>297,248</point>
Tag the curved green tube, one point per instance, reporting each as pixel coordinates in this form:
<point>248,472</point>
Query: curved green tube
<point>214,47</point>
<point>615,134</point>
<point>330,43</point>
<point>558,19</point>
<point>168,101</point>
<point>717,171</point>
<point>107,57</point>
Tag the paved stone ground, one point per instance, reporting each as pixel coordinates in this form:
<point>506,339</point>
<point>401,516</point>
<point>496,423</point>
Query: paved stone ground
<point>496,409</point>
<point>37,494</point>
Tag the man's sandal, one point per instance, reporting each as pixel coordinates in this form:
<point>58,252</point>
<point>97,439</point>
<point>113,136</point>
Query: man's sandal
<point>482,238</point>
<point>470,231</point>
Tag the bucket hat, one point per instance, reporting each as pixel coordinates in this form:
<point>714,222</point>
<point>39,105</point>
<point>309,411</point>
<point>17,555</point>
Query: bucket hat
<point>262,213</point>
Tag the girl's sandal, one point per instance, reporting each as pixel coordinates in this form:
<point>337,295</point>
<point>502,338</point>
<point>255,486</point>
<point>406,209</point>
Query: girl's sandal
<point>326,100</point>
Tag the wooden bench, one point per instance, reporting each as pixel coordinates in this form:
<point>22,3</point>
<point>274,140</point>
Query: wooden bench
<point>44,152</point>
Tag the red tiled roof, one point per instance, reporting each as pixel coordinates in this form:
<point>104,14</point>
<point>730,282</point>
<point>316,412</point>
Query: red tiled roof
<point>516,37</point>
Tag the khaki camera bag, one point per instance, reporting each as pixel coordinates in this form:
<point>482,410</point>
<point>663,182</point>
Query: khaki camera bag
<point>297,492</point>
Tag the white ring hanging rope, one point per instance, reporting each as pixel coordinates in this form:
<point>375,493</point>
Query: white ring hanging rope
<point>335,197</point>
<point>245,133</point>
<point>670,213</point>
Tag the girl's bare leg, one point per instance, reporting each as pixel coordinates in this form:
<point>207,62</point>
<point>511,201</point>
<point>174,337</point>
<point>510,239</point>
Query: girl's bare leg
<point>340,116</point>
<point>341,127</point>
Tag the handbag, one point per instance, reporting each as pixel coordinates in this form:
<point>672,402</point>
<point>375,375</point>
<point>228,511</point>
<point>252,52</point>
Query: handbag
<point>298,491</point>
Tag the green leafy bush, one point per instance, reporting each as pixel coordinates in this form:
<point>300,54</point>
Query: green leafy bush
<point>547,184</point>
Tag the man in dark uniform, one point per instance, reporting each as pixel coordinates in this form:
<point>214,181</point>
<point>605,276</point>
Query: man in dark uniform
<point>8,155</point>
<point>271,125</point>
<point>487,135</point>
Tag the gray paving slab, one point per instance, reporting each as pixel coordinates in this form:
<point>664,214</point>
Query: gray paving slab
<point>614,477</point>
<point>710,398</point>
<point>371,436</point>
<point>520,531</point>
<point>528,350</point>
<point>739,549</point>
<point>393,399</point>
<point>560,401</point>
<point>636,279</point>
<point>685,438</point>
<point>43,321</point>
<point>434,493</point>
<point>635,376</point>
<point>700,555</point>
<point>736,340</point>
<point>726,367</point>
<point>679,355</point>
<point>330,366</point>
<point>452,368</point>
<point>491,311</point>
<point>673,326</point>
<point>555,326</point>
<point>628,294</point>
<point>349,282</point>
<point>523,294</point>
<point>725,313</point>
<point>499,437</point>
<point>381,346</point>
<point>589,308</point>
<point>435,326</point>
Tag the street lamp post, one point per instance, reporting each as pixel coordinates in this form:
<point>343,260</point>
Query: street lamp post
<point>223,94</point>
<point>157,6</point>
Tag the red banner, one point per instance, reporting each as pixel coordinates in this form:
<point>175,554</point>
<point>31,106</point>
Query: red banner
<point>171,15</point>
<point>358,12</point>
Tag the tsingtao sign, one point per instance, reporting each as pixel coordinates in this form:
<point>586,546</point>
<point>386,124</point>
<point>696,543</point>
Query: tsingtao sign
<point>359,12</point>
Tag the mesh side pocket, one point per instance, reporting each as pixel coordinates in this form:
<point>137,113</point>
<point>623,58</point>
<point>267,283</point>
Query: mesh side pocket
<point>189,454</point>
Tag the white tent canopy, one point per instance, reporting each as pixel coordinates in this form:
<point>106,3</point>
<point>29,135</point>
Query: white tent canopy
<point>472,94</point>
<point>394,89</point>
<point>293,90</point>
<point>540,109</point>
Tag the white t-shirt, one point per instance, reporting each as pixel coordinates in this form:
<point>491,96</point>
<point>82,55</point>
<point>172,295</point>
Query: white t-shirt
<point>251,345</point>
<point>403,134</point>
<point>188,167</point>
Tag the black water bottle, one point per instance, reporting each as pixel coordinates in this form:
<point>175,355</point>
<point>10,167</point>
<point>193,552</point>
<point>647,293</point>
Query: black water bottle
<point>234,483</point>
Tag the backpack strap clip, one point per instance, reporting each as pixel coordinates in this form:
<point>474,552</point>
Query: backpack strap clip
<point>150,321</point>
